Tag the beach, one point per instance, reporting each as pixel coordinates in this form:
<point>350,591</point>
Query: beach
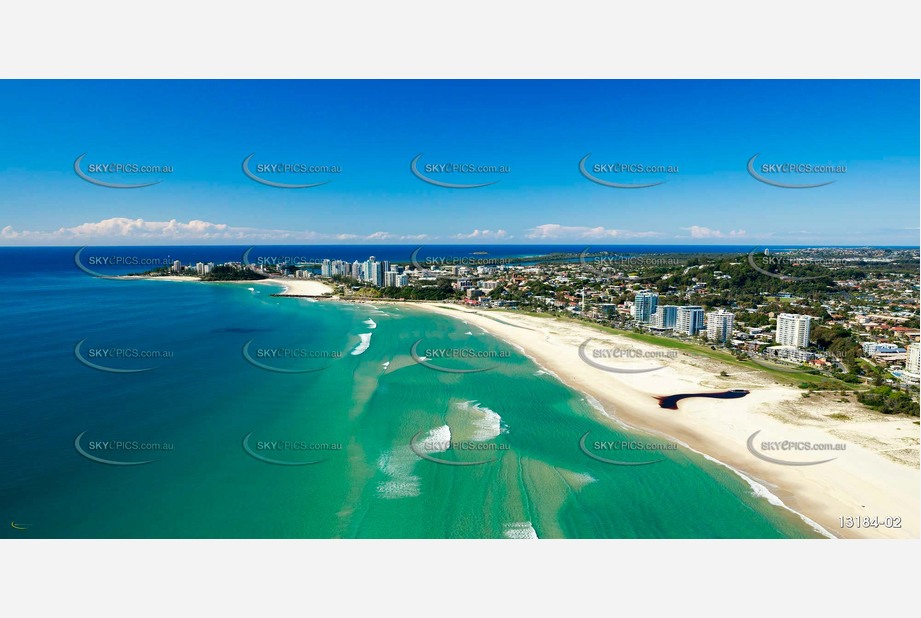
<point>872,473</point>
<point>296,287</point>
<point>292,286</point>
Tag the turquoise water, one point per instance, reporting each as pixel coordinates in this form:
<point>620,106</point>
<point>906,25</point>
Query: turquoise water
<point>203,397</point>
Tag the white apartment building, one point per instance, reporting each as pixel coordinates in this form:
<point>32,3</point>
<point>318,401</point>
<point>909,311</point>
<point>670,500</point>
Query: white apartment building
<point>871,347</point>
<point>719,325</point>
<point>790,353</point>
<point>203,269</point>
<point>395,279</point>
<point>689,319</point>
<point>664,317</point>
<point>644,305</point>
<point>793,329</point>
<point>912,372</point>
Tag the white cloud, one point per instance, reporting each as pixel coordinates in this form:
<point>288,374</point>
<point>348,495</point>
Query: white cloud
<point>124,229</point>
<point>698,231</point>
<point>484,234</point>
<point>381,236</point>
<point>556,231</point>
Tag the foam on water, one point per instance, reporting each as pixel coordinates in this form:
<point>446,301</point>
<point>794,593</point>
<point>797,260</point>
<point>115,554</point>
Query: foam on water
<point>597,405</point>
<point>760,491</point>
<point>363,345</point>
<point>487,424</point>
<point>520,530</point>
<point>437,440</point>
<point>370,323</point>
<point>398,465</point>
<point>577,480</point>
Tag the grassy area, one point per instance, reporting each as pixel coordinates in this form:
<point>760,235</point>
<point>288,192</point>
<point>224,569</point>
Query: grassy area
<point>778,299</point>
<point>793,378</point>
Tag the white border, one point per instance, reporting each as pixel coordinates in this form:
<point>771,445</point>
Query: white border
<point>483,39</point>
<point>472,38</point>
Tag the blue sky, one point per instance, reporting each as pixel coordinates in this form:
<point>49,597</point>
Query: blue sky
<point>538,129</point>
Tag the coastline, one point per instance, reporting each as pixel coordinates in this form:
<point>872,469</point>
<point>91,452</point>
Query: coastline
<point>865,480</point>
<point>875,475</point>
<point>304,288</point>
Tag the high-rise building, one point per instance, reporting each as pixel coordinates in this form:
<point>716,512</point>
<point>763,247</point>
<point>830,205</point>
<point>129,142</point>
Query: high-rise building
<point>644,305</point>
<point>689,319</point>
<point>664,317</point>
<point>719,325</point>
<point>372,272</point>
<point>356,270</point>
<point>395,279</point>
<point>177,266</point>
<point>913,363</point>
<point>793,329</point>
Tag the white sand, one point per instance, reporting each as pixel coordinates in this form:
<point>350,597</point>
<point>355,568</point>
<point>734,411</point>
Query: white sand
<point>292,287</point>
<point>877,475</point>
<point>297,287</point>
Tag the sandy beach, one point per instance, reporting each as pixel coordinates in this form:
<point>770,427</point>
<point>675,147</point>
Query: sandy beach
<point>297,287</point>
<point>292,286</point>
<point>874,467</point>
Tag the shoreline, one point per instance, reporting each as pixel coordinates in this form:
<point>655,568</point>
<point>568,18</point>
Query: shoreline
<point>863,482</point>
<point>297,288</point>
<point>860,482</point>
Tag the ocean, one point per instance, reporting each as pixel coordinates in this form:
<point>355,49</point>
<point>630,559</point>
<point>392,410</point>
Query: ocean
<point>153,409</point>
